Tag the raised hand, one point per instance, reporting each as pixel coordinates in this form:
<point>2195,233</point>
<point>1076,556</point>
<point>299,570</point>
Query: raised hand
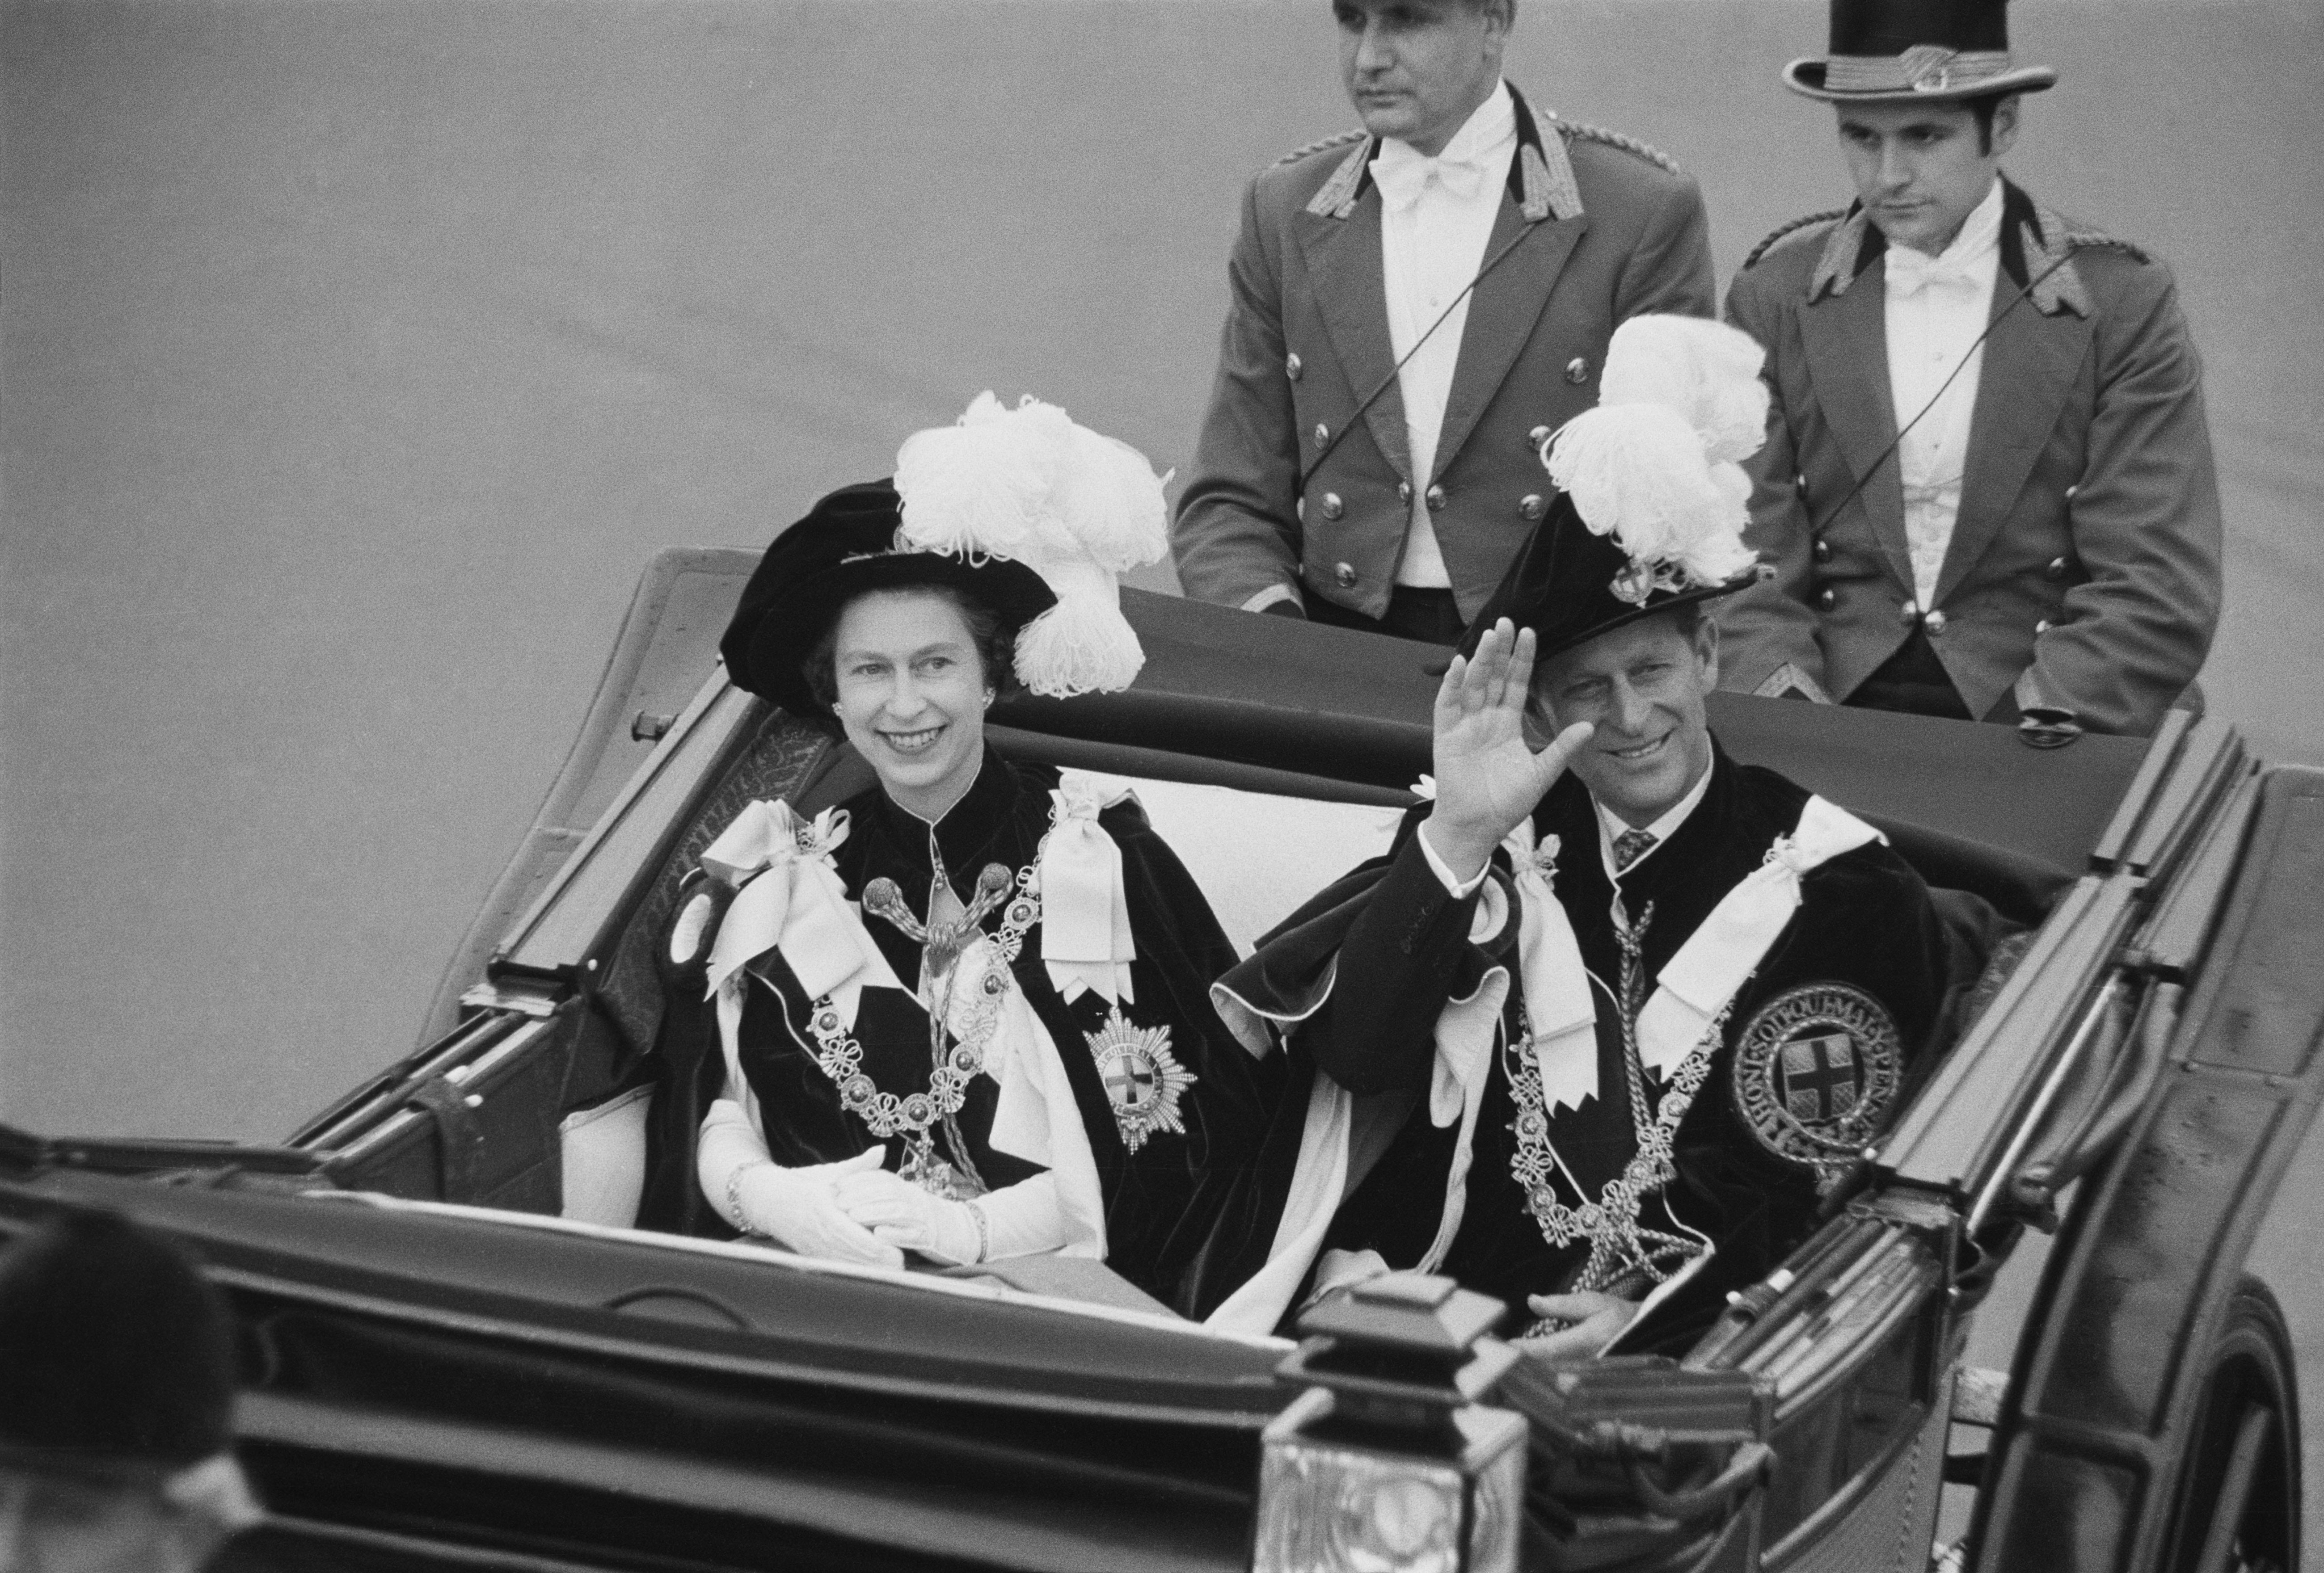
<point>1488,779</point>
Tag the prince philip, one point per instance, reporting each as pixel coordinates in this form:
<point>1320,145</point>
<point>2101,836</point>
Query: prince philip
<point>1614,1014</point>
<point>1987,488</point>
<point>1371,456</point>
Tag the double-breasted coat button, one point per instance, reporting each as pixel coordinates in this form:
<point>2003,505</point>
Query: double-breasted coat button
<point>1909,611</point>
<point>1822,550</point>
<point>2056,567</point>
<point>1828,599</point>
<point>1435,495</point>
<point>1800,484</point>
<point>1935,622</point>
<point>1322,435</point>
<point>2042,627</point>
<point>1291,367</point>
<point>1346,576</point>
<point>2069,493</point>
<point>1530,507</point>
<point>1577,371</point>
<point>1536,436</point>
<point>1333,506</point>
<point>1404,491</point>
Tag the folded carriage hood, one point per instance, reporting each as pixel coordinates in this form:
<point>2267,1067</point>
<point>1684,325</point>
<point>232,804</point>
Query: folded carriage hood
<point>1279,692</point>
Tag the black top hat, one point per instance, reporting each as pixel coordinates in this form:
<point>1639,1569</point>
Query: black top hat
<point>116,1357</point>
<point>1569,585</point>
<point>847,545</point>
<point>1916,51</point>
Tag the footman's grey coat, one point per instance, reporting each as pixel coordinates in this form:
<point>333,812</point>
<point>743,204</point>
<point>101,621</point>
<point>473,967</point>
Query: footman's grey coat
<point>1611,229</point>
<point>2083,573</point>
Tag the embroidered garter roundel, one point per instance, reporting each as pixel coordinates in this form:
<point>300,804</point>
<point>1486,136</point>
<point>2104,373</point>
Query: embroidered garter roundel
<point>1816,1073</point>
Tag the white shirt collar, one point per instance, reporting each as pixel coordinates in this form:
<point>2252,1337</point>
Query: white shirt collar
<point>1490,124</point>
<point>1610,825</point>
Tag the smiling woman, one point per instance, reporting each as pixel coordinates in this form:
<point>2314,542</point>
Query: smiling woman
<point>909,673</point>
<point>966,1013</point>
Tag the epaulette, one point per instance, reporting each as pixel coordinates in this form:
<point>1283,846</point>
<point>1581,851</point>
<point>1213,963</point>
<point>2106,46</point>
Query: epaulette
<point>1329,142</point>
<point>1793,227</point>
<point>1571,129</point>
<point>2090,240</point>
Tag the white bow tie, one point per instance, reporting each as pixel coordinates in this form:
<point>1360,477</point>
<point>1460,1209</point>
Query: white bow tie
<point>1402,172</point>
<point>1911,272</point>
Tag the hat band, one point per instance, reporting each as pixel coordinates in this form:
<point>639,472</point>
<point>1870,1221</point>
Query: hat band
<point>1925,67</point>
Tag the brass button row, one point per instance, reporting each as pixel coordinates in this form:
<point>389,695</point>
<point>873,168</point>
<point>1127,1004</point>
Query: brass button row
<point>1530,507</point>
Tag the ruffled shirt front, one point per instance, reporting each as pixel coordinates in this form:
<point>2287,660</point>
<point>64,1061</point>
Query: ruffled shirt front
<point>1431,247</point>
<point>1937,309</point>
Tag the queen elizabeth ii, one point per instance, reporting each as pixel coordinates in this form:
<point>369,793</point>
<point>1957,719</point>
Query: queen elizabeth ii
<point>965,1014</point>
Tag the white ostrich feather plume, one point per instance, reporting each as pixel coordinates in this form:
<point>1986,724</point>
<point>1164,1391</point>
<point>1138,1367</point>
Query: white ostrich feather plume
<point>1706,371</point>
<point>1638,473</point>
<point>1076,506</point>
<point>974,488</point>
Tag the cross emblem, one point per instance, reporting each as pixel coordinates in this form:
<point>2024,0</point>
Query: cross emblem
<point>1821,1081</point>
<point>1129,1081</point>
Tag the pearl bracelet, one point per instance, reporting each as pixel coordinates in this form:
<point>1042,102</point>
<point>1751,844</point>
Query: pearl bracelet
<point>983,1232</point>
<point>734,1193</point>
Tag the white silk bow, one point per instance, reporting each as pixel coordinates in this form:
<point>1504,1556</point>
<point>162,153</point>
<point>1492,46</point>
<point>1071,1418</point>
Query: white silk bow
<point>788,898</point>
<point>1911,272</point>
<point>1084,909</point>
<point>1561,1012</point>
<point>1728,944</point>
<point>1402,172</point>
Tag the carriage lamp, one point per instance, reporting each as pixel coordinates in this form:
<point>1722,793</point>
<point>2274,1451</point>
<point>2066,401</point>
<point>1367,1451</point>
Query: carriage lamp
<point>1387,1461</point>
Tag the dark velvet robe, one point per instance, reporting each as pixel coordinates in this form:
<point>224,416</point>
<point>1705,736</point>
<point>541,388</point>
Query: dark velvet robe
<point>1164,1201</point>
<point>1386,947</point>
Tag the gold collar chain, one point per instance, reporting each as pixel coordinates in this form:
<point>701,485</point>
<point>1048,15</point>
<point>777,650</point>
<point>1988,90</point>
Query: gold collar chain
<point>840,1056</point>
<point>1620,1247</point>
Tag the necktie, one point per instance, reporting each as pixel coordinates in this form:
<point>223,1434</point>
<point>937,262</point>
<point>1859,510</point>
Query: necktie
<point>1629,847</point>
<point>1402,172</point>
<point>1910,272</point>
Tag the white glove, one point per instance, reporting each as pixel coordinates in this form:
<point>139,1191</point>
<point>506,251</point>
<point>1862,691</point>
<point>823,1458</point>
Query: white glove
<point>798,1208</point>
<point>899,1213</point>
<point>1022,1219</point>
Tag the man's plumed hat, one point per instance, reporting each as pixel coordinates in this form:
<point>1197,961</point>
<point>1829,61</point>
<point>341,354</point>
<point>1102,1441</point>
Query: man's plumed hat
<point>1902,51</point>
<point>116,1357</point>
<point>1653,497</point>
<point>1020,508</point>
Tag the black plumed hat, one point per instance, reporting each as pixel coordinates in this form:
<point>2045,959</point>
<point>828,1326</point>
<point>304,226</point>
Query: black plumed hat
<point>115,1355</point>
<point>1569,585</point>
<point>1652,496</point>
<point>844,547</point>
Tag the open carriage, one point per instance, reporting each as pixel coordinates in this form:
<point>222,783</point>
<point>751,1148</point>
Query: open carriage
<point>459,1351</point>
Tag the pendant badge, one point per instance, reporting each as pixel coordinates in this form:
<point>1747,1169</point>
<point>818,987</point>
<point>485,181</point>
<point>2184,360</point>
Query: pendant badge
<point>1143,1079</point>
<point>936,1175</point>
<point>1816,1074</point>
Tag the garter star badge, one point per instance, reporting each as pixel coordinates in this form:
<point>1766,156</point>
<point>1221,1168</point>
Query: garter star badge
<point>1816,1073</point>
<point>1143,1079</point>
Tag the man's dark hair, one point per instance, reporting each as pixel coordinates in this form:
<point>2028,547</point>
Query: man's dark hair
<point>1982,107</point>
<point>994,645</point>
